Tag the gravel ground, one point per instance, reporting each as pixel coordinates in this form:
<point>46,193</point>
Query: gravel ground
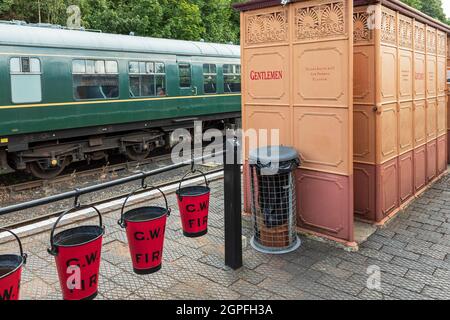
<point>7,198</point>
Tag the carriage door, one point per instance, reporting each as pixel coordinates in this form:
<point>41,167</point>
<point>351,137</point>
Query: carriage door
<point>186,78</point>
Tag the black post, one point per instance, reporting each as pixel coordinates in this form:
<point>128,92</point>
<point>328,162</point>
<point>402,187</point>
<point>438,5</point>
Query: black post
<point>233,202</point>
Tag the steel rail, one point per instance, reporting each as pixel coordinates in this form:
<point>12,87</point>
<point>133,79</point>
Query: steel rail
<point>102,186</point>
<point>44,217</point>
<point>110,168</point>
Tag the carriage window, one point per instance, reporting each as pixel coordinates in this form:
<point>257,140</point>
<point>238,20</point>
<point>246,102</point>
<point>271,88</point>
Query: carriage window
<point>25,80</point>
<point>185,75</point>
<point>111,67</point>
<point>79,66</point>
<point>232,78</point>
<point>133,67</point>
<point>90,66</point>
<point>100,67</point>
<point>147,79</point>
<point>160,68</point>
<point>95,79</point>
<point>210,78</point>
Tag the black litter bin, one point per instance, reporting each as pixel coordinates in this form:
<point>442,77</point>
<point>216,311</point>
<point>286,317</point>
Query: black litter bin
<point>272,173</point>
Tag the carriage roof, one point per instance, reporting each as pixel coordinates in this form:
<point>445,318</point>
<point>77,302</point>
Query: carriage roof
<point>54,37</point>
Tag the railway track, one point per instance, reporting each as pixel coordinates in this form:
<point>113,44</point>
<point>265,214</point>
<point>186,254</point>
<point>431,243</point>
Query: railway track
<point>104,201</point>
<point>34,190</point>
<point>104,170</point>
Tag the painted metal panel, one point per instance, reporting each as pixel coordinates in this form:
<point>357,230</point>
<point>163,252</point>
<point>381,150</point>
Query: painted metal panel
<point>272,120</point>
<point>448,110</point>
<point>405,76</point>
<point>322,136</point>
<point>364,134</point>
<point>364,75</point>
<point>321,74</point>
<point>324,203</point>
<point>364,182</point>
<point>431,40</point>
<point>448,147</point>
<point>419,76</point>
<point>431,119</point>
<point>406,176</point>
<point>441,76</point>
<point>405,127</point>
<point>363,31</point>
<point>387,188</point>
<point>442,44</point>
<point>420,167</point>
<point>405,32</point>
<point>431,76</point>
<point>442,154</point>
<point>389,83</point>
<point>267,75</point>
<point>388,26</point>
<point>420,134</point>
<point>419,37</point>
<point>431,160</point>
<point>387,133</point>
<point>441,116</point>
<point>265,27</point>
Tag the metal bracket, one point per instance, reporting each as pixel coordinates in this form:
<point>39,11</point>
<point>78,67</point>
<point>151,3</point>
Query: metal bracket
<point>143,184</point>
<point>76,202</point>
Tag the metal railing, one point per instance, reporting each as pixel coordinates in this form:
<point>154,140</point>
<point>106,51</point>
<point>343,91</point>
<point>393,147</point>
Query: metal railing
<point>232,198</point>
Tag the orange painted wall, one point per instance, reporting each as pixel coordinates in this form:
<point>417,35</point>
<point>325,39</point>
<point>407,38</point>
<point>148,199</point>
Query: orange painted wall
<point>400,113</point>
<point>306,92</point>
<point>369,142</point>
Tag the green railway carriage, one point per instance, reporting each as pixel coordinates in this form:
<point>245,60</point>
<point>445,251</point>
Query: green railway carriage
<point>69,95</point>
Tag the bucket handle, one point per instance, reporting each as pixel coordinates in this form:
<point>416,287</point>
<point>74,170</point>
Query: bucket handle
<point>192,172</point>
<point>23,255</point>
<point>121,221</point>
<point>54,250</point>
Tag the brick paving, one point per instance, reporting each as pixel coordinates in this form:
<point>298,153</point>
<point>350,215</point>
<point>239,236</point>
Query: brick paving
<point>412,252</point>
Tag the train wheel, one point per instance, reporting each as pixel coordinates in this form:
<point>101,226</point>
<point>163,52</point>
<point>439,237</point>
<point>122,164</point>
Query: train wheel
<point>40,169</point>
<point>137,153</point>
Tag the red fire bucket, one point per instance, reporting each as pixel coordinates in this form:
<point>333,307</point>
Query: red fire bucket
<point>145,227</point>
<point>77,254</point>
<point>11,271</point>
<point>193,203</point>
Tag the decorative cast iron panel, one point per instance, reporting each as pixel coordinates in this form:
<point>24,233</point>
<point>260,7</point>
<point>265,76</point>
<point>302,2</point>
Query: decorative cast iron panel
<point>320,22</point>
<point>267,28</point>
<point>419,36</point>
<point>361,30</point>
<point>388,27</point>
<point>405,32</point>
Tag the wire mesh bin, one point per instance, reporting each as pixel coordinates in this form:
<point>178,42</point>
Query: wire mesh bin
<point>272,172</point>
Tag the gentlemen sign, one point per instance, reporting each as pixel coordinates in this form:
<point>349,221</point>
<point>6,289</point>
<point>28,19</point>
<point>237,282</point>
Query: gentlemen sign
<point>266,75</point>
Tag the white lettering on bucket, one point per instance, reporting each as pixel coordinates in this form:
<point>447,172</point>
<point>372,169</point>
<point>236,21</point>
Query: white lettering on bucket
<point>74,280</point>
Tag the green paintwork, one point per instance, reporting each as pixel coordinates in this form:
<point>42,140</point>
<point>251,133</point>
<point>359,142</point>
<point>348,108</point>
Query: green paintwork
<point>57,88</point>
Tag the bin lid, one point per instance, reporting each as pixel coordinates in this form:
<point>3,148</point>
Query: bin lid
<point>273,154</point>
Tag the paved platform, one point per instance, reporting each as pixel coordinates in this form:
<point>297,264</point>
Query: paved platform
<point>412,252</point>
